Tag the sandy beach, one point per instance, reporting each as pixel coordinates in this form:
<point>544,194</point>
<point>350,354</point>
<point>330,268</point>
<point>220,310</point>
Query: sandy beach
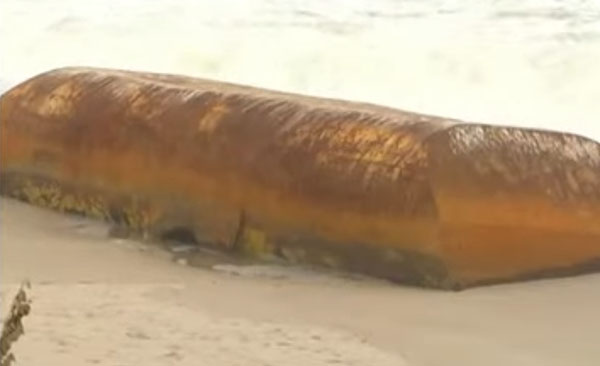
<point>104,301</point>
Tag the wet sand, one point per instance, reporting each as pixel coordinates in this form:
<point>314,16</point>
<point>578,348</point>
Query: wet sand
<point>106,301</point>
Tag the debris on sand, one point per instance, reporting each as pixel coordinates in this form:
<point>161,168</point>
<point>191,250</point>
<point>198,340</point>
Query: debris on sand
<point>12,327</point>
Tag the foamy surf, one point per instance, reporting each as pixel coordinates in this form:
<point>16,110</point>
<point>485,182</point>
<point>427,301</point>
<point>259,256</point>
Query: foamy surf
<point>526,63</point>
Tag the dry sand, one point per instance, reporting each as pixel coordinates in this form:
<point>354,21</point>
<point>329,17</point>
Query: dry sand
<point>103,301</point>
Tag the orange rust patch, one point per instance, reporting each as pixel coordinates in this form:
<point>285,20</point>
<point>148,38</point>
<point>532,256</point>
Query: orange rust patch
<point>209,120</point>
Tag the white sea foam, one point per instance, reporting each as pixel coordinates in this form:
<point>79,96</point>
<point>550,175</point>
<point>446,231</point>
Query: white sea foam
<point>518,62</point>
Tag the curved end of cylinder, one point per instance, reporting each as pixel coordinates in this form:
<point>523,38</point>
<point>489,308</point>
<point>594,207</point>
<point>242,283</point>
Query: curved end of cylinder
<point>516,203</point>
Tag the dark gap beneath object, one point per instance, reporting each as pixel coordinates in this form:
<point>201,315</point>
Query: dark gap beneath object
<point>180,235</point>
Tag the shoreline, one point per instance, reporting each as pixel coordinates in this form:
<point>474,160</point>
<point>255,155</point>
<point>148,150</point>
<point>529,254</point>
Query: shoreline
<point>105,301</point>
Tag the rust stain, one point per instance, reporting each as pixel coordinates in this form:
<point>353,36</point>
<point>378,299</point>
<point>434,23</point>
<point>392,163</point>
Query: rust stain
<point>210,119</point>
<point>410,197</point>
<point>60,102</point>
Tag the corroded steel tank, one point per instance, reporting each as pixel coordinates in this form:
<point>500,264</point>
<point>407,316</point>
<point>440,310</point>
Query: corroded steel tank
<point>408,197</point>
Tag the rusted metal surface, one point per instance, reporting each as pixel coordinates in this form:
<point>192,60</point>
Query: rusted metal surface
<point>413,198</point>
<point>515,202</point>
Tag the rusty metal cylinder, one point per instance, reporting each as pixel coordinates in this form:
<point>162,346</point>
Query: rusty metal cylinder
<point>412,198</point>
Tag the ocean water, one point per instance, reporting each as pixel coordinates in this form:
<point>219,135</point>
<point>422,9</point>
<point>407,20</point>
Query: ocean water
<point>533,63</point>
